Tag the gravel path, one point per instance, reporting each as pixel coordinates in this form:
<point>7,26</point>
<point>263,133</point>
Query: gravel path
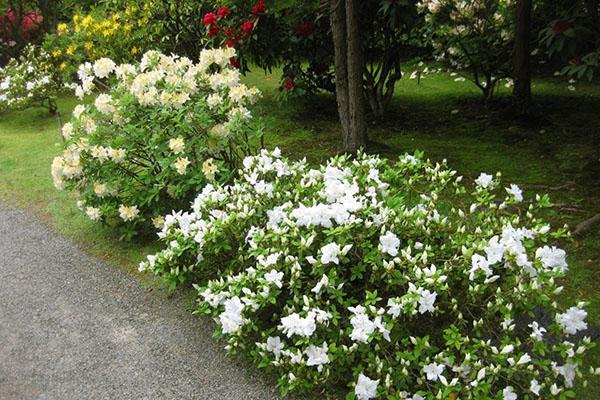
<point>72,327</point>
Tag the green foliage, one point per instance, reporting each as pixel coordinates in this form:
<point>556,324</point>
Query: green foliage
<point>573,39</point>
<point>162,129</point>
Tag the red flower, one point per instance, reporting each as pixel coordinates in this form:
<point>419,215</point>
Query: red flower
<point>289,84</point>
<point>223,11</point>
<point>209,19</point>
<point>234,62</point>
<point>247,27</point>
<point>213,29</point>
<point>231,42</point>
<point>576,60</point>
<point>259,8</point>
<point>560,26</point>
<point>304,29</point>
<point>230,32</point>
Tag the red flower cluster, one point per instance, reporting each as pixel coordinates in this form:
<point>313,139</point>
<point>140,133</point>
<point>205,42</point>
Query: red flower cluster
<point>247,27</point>
<point>30,23</point>
<point>560,26</point>
<point>289,84</point>
<point>233,35</point>
<point>209,19</point>
<point>259,8</point>
<point>304,29</point>
<point>223,11</point>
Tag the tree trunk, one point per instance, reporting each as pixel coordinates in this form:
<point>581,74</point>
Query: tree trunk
<point>357,126</point>
<point>522,57</point>
<point>349,66</point>
<point>338,30</point>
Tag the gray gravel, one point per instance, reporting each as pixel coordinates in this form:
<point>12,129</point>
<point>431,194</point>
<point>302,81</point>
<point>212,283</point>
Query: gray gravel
<point>72,327</point>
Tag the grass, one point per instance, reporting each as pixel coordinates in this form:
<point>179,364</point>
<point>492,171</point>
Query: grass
<point>559,149</point>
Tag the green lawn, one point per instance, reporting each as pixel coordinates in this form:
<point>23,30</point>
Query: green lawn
<point>558,148</point>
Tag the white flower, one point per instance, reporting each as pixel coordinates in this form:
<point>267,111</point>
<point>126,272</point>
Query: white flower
<point>181,165</point>
<point>507,349</point>
<point>433,371</point>
<point>389,243</point>
<point>103,67</point>
<point>515,192</point>
<point>366,388</point>
<point>294,324</point>
<point>525,358</point>
<point>330,253</point>
<point>317,356</point>
<point>426,302</point>
<point>128,213</point>
<point>67,130</point>
<point>324,282</point>
<point>274,277</point>
<point>572,320</point>
<point>552,258</point>
<point>537,331</point>
<point>176,145</point>
<point>484,180</point>
<point>231,319</point>
<point>479,263</point>
<point>214,100</point>
<point>362,328</point>
<point>535,387</point>
<point>274,345</point>
<point>104,104</point>
<point>509,394</point>
<point>395,308</point>
<point>93,213</point>
<point>568,372</point>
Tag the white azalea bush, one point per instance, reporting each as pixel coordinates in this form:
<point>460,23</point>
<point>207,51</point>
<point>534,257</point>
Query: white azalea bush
<point>158,132</point>
<point>397,281</point>
<point>29,80</point>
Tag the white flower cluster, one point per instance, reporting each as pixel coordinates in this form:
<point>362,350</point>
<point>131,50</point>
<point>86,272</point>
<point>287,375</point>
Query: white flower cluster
<point>162,128</point>
<point>28,81</point>
<point>372,275</point>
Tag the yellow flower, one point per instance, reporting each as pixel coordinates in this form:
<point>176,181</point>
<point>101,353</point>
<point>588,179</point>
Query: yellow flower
<point>71,49</point>
<point>88,45</point>
<point>62,65</point>
<point>61,28</point>
<point>57,53</point>
<point>134,50</point>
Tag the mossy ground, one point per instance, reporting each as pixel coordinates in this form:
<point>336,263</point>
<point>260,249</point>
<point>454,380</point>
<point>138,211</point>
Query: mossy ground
<point>557,151</point>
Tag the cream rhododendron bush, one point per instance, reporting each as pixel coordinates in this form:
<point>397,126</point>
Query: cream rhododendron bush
<point>394,280</point>
<point>154,135</point>
<point>28,81</point>
<point>474,38</point>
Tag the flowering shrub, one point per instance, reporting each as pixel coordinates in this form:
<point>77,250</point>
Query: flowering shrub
<point>163,129</point>
<point>121,35</point>
<point>28,80</point>
<point>398,280</point>
<point>473,37</point>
